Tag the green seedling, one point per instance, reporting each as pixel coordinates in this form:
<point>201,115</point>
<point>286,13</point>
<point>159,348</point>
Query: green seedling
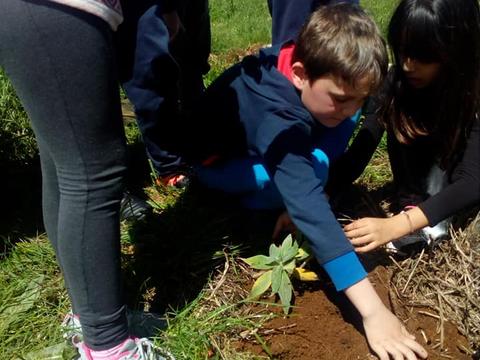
<point>278,267</point>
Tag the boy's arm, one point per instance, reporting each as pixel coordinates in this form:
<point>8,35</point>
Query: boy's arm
<point>289,163</point>
<point>288,160</point>
<point>386,335</point>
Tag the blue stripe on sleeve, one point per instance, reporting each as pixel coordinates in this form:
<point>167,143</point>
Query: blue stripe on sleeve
<point>345,270</point>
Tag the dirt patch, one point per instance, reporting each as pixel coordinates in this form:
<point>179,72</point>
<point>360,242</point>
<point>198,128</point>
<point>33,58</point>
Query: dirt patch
<point>324,325</point>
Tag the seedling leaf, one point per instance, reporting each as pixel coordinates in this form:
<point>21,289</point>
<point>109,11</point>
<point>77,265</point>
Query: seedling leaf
<point>288,250</point>
<point>274,252</point>
<point>285,292</point>
<point>301,254</point>
<point>277,278</point>
<point>289,267</point>
<point>261,285</point>
<point>259,262</point>
<point>287,242</point>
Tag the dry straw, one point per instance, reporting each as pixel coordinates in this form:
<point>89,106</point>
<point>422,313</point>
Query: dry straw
<point>446,279</point>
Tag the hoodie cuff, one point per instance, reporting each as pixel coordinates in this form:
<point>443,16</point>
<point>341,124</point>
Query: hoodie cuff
<point>345,270</point>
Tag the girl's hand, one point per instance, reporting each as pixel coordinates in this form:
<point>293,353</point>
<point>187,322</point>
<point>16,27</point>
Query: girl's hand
<point>284,224</point>
<point>369,233</point>
<point>387,336</point>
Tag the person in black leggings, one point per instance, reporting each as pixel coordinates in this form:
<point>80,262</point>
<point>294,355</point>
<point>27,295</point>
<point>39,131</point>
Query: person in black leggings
<point>61,63</point>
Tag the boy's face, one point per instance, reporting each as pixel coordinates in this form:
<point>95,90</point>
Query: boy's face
<point>329,99</point>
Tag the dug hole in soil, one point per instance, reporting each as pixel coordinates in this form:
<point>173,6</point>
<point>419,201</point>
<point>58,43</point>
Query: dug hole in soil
<point>323,325</point>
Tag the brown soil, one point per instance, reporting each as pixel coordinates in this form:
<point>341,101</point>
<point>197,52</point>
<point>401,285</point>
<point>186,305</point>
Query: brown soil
<point>323,325</point>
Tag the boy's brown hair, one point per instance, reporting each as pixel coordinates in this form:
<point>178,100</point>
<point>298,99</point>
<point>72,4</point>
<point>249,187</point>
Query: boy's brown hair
<point>344,41</point>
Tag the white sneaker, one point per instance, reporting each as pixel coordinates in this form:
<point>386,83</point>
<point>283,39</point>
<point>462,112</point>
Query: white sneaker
<point>132,349</point>
<point>140,324</point>
<point>437,232</point>
<point>427,235</point>
<point>415,238</point>
<point>71,326</point>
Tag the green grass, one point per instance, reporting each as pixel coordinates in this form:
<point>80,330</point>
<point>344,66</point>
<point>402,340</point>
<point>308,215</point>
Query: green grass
<point>239,24</point>
<point>197,334</point>
<point>32,299</point>
<point>16,138</point>
<point>236,27</point>
<point>381,11</point>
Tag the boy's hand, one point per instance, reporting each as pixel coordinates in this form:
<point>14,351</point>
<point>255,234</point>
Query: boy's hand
<point>174,25</point>
<point>284,224</point>
<point>369,233</point>
<point>387,336</point>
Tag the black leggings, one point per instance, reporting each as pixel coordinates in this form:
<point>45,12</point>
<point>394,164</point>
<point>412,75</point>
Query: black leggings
<point>62,66</point>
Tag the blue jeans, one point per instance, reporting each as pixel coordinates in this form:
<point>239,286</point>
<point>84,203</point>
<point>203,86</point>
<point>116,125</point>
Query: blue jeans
<point>288,16</point>
<point>162,78</point>
<point>248,177</point>
<point>61,62</point>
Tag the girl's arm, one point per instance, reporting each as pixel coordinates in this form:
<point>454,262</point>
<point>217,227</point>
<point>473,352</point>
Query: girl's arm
<point>369,233</point>
<point>464,190</point>
<point>385,334</point>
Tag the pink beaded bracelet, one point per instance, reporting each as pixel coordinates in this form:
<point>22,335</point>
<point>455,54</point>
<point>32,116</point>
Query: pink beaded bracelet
<point>409,221</point>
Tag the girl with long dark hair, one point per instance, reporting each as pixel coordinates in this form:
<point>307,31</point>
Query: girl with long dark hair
<point>429,108</point>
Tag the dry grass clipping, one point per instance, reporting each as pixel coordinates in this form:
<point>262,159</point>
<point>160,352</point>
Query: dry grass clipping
<point>228,288</point>
<point>446,278</point>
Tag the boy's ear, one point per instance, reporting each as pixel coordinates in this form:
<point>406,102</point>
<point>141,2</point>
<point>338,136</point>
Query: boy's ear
<point>299,77</point>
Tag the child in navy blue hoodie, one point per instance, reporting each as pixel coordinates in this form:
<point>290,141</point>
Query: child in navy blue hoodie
<point>268,128</point>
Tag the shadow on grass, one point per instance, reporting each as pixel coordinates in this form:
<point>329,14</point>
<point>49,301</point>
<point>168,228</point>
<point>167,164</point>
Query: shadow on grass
<point>20,211</point>
<point>171,255</point>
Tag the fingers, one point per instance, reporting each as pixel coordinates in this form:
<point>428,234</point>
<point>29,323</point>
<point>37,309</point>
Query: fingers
<point>361,240</point>
<point>352,226</point>
<point>405,351</point>
<point>416,347</point>
<point>408,350</point>
<point>365,243</point>
<point>351,234</point>
<point>357,229</point>
<point>381,352</point>
<point>371,246</point>
<point>357,232</point>
<point>407,334</point>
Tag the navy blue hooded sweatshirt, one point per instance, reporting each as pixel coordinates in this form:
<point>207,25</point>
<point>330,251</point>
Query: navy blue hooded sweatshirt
<point>254,110</point>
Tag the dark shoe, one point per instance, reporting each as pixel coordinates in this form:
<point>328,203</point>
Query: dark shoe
<point>133,208</point>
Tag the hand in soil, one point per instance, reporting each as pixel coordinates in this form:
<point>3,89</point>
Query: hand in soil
<point>386,336</point>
